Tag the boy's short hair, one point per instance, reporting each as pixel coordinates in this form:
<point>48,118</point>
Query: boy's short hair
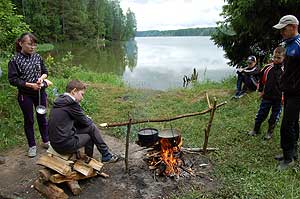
<point>279,50</point>
<point>75,84</point>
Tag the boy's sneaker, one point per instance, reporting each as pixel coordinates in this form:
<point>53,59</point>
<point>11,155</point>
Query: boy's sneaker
<point>110,158</point>
<point>32,152</point>
<point>45,145</point>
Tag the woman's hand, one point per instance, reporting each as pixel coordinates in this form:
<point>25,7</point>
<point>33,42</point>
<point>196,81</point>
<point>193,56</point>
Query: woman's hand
<point>34,86</point>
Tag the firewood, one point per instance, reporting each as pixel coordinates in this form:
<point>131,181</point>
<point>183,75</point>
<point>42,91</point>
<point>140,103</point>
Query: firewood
<point>57,164</point>
<point>74,187</point>
<point>199,149</point>
<point>45,174</point>
<point>58,178</point>
<point>51,151</point>
<point>152,167</point>
<point>83,168</point>
<point>104,175</point>
<point>156,154</point>
<point>49,190</point>
<point>95,164</point>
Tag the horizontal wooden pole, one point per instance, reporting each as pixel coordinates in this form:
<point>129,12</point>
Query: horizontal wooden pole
<point>162,119</point>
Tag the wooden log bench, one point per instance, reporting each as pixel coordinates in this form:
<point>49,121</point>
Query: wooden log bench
<point>65,168</point>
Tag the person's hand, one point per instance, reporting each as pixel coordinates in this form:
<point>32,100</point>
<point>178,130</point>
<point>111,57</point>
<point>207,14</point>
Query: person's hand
<point>260,94</point>
<point>35,86</point>
<point>40,80</point>
<point>240,70</point>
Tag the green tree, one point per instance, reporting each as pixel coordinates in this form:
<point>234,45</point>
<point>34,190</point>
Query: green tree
<point>247,28</point>
<point>11,26</point>
<point>130,25</point>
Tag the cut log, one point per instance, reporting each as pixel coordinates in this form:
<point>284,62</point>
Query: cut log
<point>49,190</point>
<point>74,187</point>
<point>45,174</point>
<point>83,168</point>
<point>95,164</point>
<point>57,164</point>
<point>50,150</point>
<point>58,178</point>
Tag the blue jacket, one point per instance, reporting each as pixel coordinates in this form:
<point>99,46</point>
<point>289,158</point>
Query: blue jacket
<point>290,79</point>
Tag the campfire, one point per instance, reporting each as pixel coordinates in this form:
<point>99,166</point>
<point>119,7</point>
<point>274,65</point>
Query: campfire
<point>166,157</point>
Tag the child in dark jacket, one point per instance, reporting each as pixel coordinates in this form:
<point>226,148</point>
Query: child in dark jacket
<point>270,92</point>
<point>70,129</point>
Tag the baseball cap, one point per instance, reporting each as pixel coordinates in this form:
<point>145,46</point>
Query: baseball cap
<point>286,20</point>
<point>251,58</point>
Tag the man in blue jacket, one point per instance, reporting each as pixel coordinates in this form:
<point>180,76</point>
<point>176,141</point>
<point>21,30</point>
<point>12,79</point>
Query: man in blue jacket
<point>290,85</point>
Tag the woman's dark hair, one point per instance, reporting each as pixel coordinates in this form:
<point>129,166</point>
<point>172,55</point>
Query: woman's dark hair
<point>21,39</point>
<point>75,84</point>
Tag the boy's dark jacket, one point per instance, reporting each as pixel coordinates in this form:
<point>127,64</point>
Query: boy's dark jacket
<point>65,116</point>
<point>271,87</point>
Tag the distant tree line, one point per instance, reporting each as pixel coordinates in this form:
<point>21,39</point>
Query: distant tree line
<point>180,32</point>
<point>77,20</point>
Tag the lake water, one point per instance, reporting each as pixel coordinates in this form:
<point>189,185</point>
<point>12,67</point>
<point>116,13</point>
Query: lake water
<point>155,62</point>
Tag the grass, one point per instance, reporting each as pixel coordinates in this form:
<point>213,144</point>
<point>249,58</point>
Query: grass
<point>244,166</point>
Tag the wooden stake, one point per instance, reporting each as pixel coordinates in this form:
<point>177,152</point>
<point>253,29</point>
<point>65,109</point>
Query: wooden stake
<point>127,144</point>
<point>208,102</point>
<point>207,129</point>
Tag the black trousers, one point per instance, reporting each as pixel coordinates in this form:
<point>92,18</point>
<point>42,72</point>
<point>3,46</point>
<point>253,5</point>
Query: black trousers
<point>289,131</point>
<point>88,137</point>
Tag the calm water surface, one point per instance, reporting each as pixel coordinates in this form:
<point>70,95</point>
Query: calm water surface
<point>155,62</point>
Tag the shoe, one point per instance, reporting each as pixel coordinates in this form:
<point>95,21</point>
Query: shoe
<point>32,152</point>
<point>253,133</point>
<point>268,136</point>
<point>285,164</point>
<point>111,158</point>
<point>280,157</point>
<point>45,145</point>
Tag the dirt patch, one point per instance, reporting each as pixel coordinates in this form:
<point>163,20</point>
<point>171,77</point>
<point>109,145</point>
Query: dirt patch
<point>19,172</point>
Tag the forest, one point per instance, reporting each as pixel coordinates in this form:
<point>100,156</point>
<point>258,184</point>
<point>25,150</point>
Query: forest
<point>57,21</point>
<point>180,32</point>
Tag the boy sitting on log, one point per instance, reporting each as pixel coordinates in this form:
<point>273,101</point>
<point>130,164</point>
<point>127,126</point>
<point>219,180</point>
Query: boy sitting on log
<point>70,129</point>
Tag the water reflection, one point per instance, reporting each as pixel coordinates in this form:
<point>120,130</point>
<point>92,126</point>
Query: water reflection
<point>112,59</point>
<point>152,62</point>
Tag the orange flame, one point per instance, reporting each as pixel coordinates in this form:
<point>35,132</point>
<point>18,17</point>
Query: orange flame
<point>169,147</point>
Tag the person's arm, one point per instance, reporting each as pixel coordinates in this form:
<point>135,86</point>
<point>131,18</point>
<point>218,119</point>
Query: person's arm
<point>80,119</point>
<point>13,75</point>
<point>44,73</point>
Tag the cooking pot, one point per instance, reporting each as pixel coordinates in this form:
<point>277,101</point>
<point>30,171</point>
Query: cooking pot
<point>147,136</point>
<point>172,135</point>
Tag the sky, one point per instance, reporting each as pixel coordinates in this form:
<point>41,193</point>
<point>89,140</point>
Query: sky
<point>174,14</point>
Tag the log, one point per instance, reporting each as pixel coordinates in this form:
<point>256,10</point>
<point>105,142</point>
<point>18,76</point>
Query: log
<point>95,164</point>
<point>57,164</point>
<point>199,149</point>
<point>45,174</point>
<point>83,168</point>
<point>58,178</point>
<point>49,190</point>
<point>74,187</point>
<point>51,151</point>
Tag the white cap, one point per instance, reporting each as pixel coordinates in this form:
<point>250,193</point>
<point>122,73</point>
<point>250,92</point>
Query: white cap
<point>286,20</point>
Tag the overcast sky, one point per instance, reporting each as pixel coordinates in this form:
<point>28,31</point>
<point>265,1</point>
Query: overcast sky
<point>174,14</point>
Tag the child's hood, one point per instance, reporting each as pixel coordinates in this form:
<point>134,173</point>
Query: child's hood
<point>63,100</point>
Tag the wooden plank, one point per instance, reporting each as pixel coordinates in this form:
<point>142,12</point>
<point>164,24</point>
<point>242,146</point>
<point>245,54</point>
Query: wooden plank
<point>74,187</point>
<point>45,174</point>
<point>49,190</point>
<point>83,168</point>
<point>57,164</point>
<point>95,164</point>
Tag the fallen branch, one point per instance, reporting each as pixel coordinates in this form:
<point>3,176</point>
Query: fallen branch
<point>199,149</point>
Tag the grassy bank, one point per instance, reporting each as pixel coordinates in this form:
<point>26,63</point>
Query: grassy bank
<point>244,166</point>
